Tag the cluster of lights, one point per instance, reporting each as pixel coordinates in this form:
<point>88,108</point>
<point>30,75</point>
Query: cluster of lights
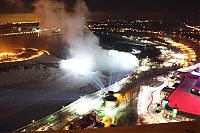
<point>123,26</point>
<point>189,54</point>
<point>144,26</point>
<point>192,27</point>
<point>171,57</point>
<point>34,31</point>
<point>18,55</point>
<point>123,29</point>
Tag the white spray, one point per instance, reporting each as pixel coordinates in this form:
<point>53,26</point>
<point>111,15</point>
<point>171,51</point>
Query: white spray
<point>84,45</point>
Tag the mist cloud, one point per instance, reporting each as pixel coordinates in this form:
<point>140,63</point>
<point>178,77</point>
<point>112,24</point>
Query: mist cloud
<point>83,43</point>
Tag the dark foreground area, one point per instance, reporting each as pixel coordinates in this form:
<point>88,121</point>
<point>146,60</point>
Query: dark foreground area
<point>177,127</point>
<point>26,101</point>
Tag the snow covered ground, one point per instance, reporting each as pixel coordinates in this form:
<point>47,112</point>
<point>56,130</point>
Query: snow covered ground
<point>147,103</point>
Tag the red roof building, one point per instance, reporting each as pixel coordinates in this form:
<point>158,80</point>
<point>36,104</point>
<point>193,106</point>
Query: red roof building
<point>186,96</point>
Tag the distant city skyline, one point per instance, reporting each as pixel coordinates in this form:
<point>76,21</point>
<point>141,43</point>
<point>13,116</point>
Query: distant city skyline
<point>121,9</point>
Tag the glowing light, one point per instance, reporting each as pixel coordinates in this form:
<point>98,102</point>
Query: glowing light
<point>175,111</point>
<point>144,68</point>
<point>127,60</point>
<point>85,105</point>
<point>43,128</point>
<point>110,111</point>
<point>188,53</point>
<point>114,61</point>
<point>77,65</point>
<point>111,104</point>
<point>192,27</point>
<point>107,121</point>
<point>117,86</point>
<point>119,97</point>
<point>21,54</point>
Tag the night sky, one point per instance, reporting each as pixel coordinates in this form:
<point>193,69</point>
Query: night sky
<point>122,8</point>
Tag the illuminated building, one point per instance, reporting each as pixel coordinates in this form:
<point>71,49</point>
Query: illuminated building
<point>182,104</point>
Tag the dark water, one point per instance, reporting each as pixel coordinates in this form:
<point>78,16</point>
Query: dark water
<point>23,102</point>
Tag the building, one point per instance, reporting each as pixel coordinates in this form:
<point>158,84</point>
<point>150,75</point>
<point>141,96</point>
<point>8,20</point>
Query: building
<point>183,104</point>
<point>166,92</point>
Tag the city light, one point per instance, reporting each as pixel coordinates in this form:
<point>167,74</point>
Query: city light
<point>192,27</point>
<point>21,54</point>
<point>101,72</point>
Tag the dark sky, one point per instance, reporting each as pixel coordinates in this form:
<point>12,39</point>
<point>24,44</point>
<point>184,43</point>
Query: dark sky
<point>174,8</point>
<point>132,8</point>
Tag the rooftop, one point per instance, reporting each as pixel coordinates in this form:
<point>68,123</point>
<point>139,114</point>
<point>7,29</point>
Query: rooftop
<point>182,96</point>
